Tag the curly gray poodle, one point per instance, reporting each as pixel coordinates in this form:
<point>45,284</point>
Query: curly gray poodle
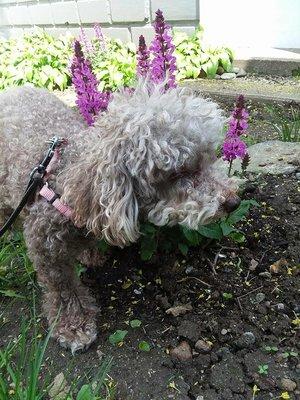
<point>149,157</point>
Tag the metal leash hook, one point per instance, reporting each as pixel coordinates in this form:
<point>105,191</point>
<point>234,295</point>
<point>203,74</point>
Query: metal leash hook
<point>35,180</point>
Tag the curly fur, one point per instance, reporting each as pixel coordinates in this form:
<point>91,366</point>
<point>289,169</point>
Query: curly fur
<point>150,157</point>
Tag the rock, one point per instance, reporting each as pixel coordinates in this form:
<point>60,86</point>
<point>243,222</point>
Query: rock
<point>288,385</point>
<point>260,297</point>
<point>280,306</point>
<point>228,75</point>
<point>265,274</point>
<point>228,374</point>
<point>277,267</point>
<point>202,346</point>
<point>241,73</point>
<point>189,330</point>
<point>179,310</point>
<point>217,76</point>
<point>224,331</point>
<point>59,388</point>
<point>182,352</point>
<point>189,269</point>
<point>235,70</point>
<point>246,340</point>
<point>220,70</point>
<point>268,153</point>
<point>298,176</point>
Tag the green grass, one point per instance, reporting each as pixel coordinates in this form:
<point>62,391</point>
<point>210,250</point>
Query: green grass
<point>16,270</point>
<point>287,126</point>
<point>25,374</point>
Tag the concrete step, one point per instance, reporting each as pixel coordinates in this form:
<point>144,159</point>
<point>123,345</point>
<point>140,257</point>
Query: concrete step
<point>258,91</point>
<point>268,61</point>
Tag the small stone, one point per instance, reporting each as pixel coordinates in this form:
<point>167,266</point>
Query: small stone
<point>241,73</point>
<point>265,274</point>
<point>280,306</point>
<point>260,297</point>
<point>203,346</point>
<point>297,308</point>
<point>276,268</point>
<point>179,310</point>
<point>182,352</point>
<point>236,70</point>
<point>220,70</point>
<point>228,75</point>
<point>189,270</point>
<point>246,340</point>
<point>288,385</point>
<point>298,176</point>
<point>224,331</point>
<point>217,76</point>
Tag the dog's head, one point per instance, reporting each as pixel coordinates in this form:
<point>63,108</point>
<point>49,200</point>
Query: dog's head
<point>154,161</point>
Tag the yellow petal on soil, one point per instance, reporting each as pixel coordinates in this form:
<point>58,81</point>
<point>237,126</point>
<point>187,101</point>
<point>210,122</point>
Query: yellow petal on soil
<point>285,396</point>
<point>296,322</point>
<point>127,284</point>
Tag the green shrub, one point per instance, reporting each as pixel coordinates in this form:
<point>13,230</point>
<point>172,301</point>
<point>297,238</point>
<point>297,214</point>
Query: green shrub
<point>43,60</point>
<point>36,58</point>
<point>116,65</point>
<point>194,60</point>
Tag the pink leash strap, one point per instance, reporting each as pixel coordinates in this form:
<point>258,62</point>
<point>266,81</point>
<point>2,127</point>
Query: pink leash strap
<point>53,199</point>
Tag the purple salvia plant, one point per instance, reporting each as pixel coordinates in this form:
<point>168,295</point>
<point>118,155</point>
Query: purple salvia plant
<point>143,58</point>
<point>89,100</point>
<point>88,46</point>
<point>99,36</point>
<point>233,146</point>
<point>163,64</point>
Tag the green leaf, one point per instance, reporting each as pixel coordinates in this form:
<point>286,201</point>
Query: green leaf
<point>117,337</point>
<point>144,346</point>
<point>11,293</point>
<point>211,231</point>
<point>226,228</point>
<point>85,393</point>
<point>192,236</point>
<point>184,248</point>
<point>103,246</point>
<point>135,323</point>
<point>237,237</point>
<point>241,212</point>
<point>148,247</point>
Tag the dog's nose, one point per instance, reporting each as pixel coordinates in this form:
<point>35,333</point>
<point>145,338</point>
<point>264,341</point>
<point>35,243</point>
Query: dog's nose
<point>232,204</point>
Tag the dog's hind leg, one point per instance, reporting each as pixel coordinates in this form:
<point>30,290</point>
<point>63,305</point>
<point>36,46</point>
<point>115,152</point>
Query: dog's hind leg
<point>53,244</point>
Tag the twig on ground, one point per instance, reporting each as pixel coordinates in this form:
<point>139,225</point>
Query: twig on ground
<point>251,291</point>
<point>193,277</point>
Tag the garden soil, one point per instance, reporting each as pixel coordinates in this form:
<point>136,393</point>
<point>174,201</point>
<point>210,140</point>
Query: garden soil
<point>237,335</point>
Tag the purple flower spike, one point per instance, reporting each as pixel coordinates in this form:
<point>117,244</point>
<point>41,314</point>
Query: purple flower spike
<point>233,146</point>
<point>143,58</point>
<point>163,64</point>
<point>85,41</point>
<point>89,100</point>
<point>99,36</point>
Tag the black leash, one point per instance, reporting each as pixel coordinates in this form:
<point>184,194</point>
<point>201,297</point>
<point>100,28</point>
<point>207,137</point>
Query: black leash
<point>35,181</point>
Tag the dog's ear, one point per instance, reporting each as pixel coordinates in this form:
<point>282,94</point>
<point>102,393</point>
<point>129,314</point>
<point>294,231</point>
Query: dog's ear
<point>119,207</point>
<point>102,197</point>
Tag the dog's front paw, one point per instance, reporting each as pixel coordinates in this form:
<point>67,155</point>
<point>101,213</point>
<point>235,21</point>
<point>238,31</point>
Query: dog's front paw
<point>76,338</point>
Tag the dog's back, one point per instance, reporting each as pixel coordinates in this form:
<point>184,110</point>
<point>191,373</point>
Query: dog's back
<point>28,118</point>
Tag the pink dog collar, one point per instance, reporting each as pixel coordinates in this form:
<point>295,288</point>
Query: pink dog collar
<point>53,199</point>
